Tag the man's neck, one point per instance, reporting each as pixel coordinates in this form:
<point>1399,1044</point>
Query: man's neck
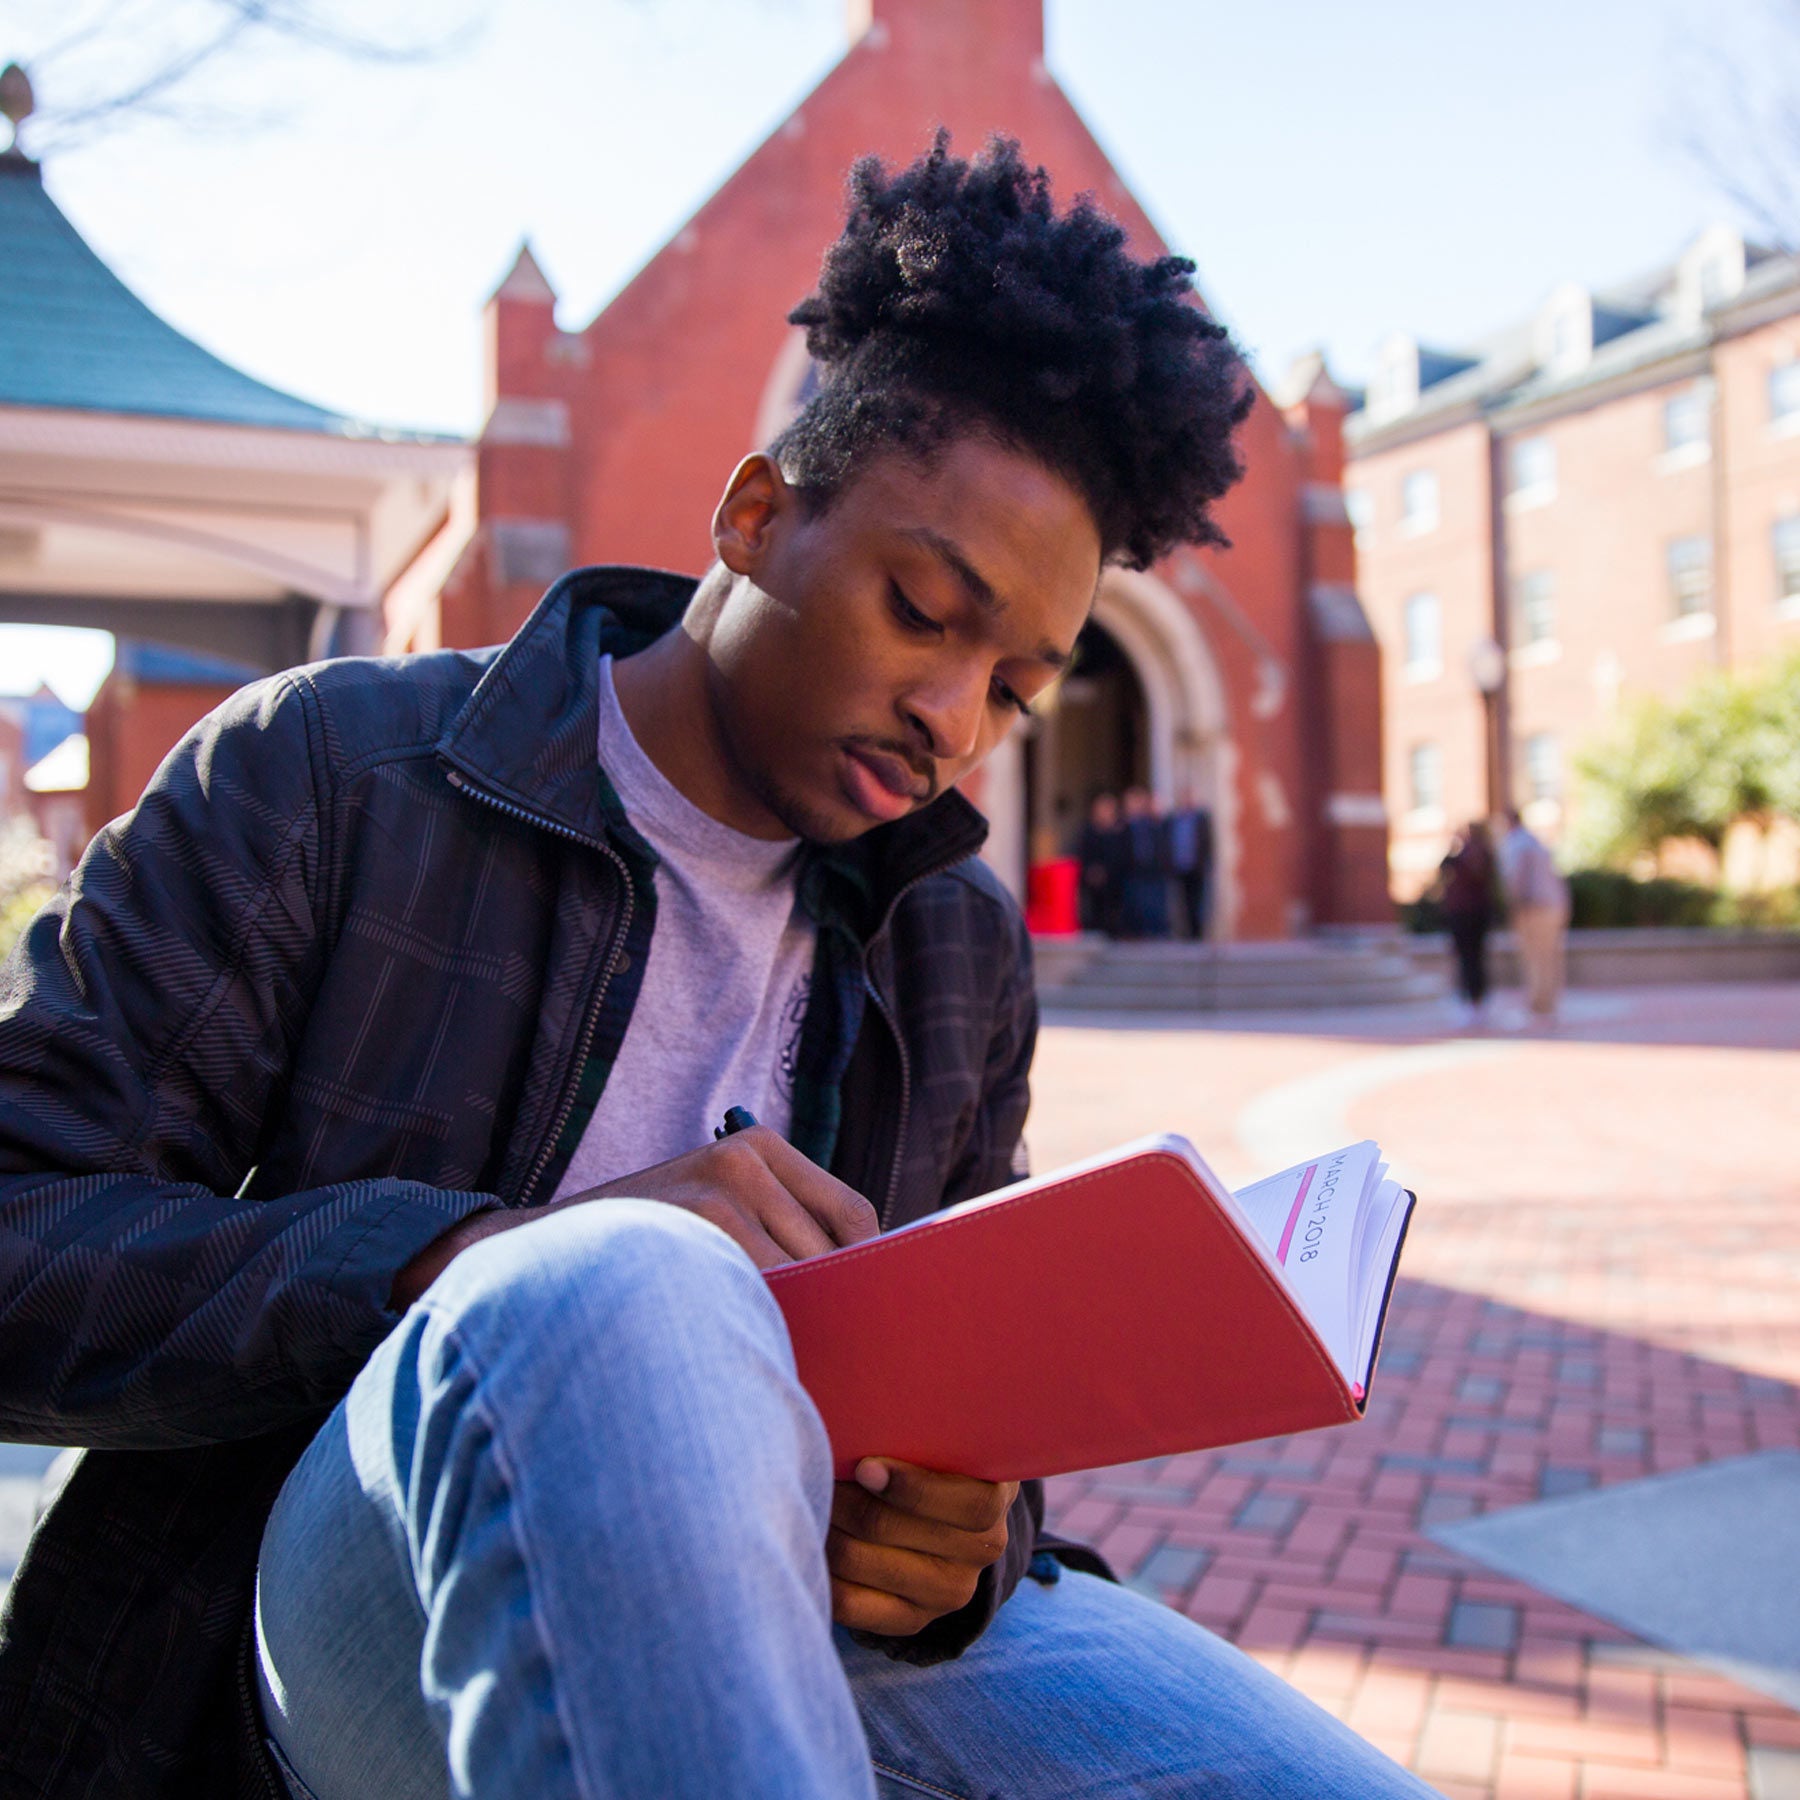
<point>663,694</point>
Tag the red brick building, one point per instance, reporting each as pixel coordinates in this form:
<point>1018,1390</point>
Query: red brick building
<point>1248,677</point>
<point>1608,493</point>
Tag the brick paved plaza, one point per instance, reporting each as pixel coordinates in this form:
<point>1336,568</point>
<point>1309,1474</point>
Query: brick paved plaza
<point>1600,1284</point>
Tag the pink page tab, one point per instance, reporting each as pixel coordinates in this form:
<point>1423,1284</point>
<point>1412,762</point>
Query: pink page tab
<point>1293,1218</point>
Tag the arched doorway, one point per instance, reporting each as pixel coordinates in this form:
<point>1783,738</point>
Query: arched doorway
<point>1093,738</point>
<point>1147,707</point>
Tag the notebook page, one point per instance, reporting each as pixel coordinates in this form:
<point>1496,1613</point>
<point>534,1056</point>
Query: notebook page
<point>1381,1244</point>
<point>1308,1216</point>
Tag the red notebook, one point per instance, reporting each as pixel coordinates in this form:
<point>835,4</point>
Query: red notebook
<point>1126,1307</point>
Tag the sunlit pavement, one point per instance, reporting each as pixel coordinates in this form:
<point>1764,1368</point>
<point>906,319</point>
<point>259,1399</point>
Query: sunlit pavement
<point>1602,1283</point>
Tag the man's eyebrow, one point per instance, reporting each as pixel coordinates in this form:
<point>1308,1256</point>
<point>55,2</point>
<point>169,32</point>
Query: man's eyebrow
<point>975,584</point>
<point>951,555</point>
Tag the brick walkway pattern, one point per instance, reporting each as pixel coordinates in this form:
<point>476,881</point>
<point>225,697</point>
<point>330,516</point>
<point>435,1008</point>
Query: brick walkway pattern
<point>1601,1284</point>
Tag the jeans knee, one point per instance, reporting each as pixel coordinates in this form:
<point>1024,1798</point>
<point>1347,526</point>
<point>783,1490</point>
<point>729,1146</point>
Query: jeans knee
<point>614,1280</point>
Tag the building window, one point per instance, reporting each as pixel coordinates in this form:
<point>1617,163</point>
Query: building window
<point>1787,564</point>
<point>1531,469</point>
<point>1359,508</point>
<point>1690,576</point>
<point>1423,622</point>
<point>1685,420</point>
<point>1419,501</point>
<point>1784,395</point>
<point>1425,778</point>
<point>1534,609</point>
<point>1543,766</point>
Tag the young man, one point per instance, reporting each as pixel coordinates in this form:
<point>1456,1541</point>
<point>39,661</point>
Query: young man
<point>360,1201</point>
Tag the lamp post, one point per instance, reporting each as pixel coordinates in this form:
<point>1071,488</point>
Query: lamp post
<point>1487,669</point>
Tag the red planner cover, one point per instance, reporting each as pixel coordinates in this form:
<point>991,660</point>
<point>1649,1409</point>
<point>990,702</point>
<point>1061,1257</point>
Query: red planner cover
<point>1114,1314</point>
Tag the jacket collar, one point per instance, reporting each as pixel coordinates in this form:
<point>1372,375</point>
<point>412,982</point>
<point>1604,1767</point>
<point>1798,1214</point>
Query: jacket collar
<point>528,735</point>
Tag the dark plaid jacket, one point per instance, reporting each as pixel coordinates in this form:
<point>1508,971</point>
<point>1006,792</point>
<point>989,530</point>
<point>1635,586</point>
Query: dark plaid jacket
<point>355,967</point>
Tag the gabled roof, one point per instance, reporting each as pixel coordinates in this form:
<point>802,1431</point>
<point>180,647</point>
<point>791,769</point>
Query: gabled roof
<point>72,334</point>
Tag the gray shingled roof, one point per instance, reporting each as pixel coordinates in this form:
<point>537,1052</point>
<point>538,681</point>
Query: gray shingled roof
<point>73,335</point>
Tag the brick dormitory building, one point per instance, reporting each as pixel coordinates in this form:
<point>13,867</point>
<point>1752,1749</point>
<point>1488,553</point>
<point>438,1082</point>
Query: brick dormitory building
<point>1599,502</point>
<point>1248,677</point>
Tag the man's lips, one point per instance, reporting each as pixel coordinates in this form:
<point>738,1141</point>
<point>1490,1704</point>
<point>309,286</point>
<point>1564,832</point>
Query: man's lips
<point>882,786</point>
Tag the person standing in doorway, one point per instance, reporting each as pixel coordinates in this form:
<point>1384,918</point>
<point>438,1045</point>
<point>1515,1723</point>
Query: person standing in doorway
<point>1101,852</point>
<point>1146,873</point>
<point>1466,894</point>
<point>1538,899</point>
<point>1189,846</point>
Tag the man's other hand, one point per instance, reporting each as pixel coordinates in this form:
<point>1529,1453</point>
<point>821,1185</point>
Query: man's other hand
<point>907,1545</point>
<point>754,1185</point>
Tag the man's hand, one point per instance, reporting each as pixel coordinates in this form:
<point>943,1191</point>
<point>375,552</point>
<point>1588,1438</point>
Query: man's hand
<point>754,1185</point>
<point>907,1545</point>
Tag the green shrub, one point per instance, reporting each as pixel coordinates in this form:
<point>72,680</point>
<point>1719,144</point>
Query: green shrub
<point>1608,898</point>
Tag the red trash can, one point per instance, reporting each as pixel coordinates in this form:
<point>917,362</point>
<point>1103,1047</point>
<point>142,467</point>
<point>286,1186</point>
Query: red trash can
<point>1053,898</point>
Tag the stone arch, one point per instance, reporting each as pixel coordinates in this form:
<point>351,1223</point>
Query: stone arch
<point>1190,743</point>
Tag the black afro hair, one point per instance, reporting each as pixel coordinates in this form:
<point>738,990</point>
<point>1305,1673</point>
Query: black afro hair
<point>959,299</point>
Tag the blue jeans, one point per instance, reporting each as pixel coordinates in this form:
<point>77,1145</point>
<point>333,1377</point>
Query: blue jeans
<point>564,1537</point>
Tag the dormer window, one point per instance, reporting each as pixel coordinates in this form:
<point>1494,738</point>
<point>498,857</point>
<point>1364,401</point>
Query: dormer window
<point>1712,270</point>
<point>1566,331</point>
<point>1395,389</point>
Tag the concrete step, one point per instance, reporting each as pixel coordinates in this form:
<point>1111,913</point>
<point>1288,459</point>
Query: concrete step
<point>1276,997</point>
<point>1093,975</point>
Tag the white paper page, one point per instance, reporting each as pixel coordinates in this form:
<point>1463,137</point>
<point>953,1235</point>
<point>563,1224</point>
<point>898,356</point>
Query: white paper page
<point>1386,1213</point>
<point>1308,1217</point>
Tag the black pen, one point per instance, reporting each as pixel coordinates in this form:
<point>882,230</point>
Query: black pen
<point>737,1118</point>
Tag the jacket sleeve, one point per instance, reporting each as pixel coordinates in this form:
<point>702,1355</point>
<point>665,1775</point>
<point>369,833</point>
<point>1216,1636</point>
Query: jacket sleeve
<point>146,1021</point>
<point>993,1155</point>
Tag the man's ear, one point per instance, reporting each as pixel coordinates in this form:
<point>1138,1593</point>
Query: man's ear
<point>756,496</point>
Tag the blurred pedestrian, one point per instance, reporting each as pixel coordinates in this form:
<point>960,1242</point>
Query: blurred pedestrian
<point>1537,899</point>
<point>1466,893</point>
<point>1189,842</point>
<point>1146,869</point>
<point>1101,852</point>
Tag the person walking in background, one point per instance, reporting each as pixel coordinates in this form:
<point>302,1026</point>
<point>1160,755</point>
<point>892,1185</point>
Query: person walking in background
<point>1466,894</point>
<point>1146,871</point>
<point>1538,899</point>
<point>1101,852</point>
<point>1188,837</point>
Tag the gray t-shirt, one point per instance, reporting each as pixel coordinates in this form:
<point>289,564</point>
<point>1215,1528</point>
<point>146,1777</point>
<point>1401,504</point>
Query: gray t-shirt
<point>717,1020</point>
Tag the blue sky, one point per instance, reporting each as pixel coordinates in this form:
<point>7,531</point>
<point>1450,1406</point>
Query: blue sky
<point>1337,171</point>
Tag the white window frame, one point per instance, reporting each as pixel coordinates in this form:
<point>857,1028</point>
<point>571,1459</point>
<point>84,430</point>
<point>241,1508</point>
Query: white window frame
<point>1540,646</point>
<point>1684,453</point>
<point>1787,602</point>
<point>1678,609</point>
<point>1424,813</point>
<point>1539,489</point>
<point>1416,666</point>
<point>1784,423</point>
<point>1530,747</point>
<point>1415,519</point>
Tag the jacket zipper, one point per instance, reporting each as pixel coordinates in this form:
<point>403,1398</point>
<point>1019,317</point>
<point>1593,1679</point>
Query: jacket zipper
<point>592,1022</point>
<point>893,1024</point>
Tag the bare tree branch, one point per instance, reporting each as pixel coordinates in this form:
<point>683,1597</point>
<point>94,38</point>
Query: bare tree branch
<point>187,43</point>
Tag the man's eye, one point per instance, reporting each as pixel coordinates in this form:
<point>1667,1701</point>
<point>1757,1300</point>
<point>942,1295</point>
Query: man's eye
<point>909,615</point>
<point>1007,697</point>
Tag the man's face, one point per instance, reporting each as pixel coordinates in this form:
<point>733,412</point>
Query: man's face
<point>866,657</point>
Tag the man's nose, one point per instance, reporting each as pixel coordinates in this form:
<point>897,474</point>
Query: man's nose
<point>950,710</point>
